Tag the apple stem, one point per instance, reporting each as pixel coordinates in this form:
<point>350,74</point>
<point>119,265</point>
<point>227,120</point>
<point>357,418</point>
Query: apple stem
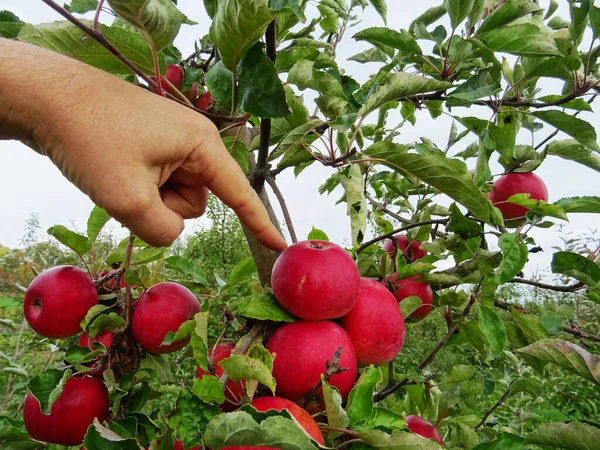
<point>97,15</point>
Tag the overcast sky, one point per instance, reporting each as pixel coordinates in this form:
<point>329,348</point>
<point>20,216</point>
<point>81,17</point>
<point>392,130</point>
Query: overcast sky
<point>30,183</point>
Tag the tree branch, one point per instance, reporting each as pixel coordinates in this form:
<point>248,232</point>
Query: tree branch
<point>284,208</point>
<point>244,346</point>
<point>570,288</point>
<point>494,407</point>
<point>399,230</point>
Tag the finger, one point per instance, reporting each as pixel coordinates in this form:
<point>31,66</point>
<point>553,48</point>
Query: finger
<point>187,201</point>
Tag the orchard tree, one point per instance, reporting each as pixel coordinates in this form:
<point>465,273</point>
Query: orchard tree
<point>191,360</point>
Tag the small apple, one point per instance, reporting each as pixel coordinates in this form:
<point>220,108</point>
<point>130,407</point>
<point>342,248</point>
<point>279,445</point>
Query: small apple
<point>204,101</point>
<point>411,250</point>
<point>175,75</point>
<point>409,287</point>
<point>315,280</point>
<point>57,300</point>
<point>161,309</point>
<point>516,183</point>
<point>81,401</point>
<point>192,92</point>
<point>375,324</point>
<point>234,391</point>
<point>302,350</point>
<point>105,339</point>
<point>179,446</point>
<point>423,428</point>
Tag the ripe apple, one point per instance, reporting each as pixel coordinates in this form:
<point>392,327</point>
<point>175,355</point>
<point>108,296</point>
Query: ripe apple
<point>179,446</point>
<point>315,280</point>
<point>81,400</point>
<point>516,183</point>
<point>423,428</point>
<point>375,324</point>
<point>204,101</point>
<point>234,392</point>
<point>264,404</point>
<point>411,250</point>
<point>105,339</point>
<point>302,350</point>
<point>192,92</point>
<point>409,287</point>
<point>57,300</point>
<point>175,75</point>
<point>162,308</point>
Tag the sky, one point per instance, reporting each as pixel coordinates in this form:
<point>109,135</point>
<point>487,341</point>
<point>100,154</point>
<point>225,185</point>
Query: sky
<point>29,183</point>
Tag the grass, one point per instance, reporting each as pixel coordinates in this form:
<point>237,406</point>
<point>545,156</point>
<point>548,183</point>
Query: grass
<point>9,303</point>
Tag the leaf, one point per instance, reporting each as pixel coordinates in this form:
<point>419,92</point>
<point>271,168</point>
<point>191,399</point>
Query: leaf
<point>564,354</point>
<point>514,257</point>
<point>238,25</point>
<point>508,12</point>
<point>400,40</point>
<point>578,129</point>
<point>400,85</point>
<point>493,328</point>
<point>381,8</point>
<point>360,401</point>
<point>64,37</point>
<point>242,270</point>
<point>99,437</point>
<point>574,151</point>
<point>98,218</point>
<point>570,436</point>
<point>48,386</point>
<point>294,141</point>
<point>82,6</point>
<point>191,417</point>
<point>238,151</point>
<point>242,367</point>
<point>476,87</point>
<point>187,268</point>
<point>527,386</point>
<point>184,331</point>
<point>410,304</point>
<point>76,242</point>
<point>538,206</point>
<point>448,175</point>
<point>159,364</point>
<point>209,389</point>
<point>522,40</point>
<point>503,441</point>
<point>263,306</point>
<point>458,10</point>
<point>336,416</point>
<point>397,440</point>
<point>260,91</point>
<point>369,55</point>
<point>530,325</point>
<point>353,182</point>
<point>15,371</point>
<point>160,20</point>
<point>104,322</point>
<point>576,266</point>
<point>458,374</point>
<point>317,235</point>
<point>586,204</point>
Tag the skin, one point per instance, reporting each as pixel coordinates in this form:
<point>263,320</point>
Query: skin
<point>148,161</point>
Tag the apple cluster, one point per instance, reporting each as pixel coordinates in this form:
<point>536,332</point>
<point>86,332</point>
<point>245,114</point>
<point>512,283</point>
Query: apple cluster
<point>172,82</point>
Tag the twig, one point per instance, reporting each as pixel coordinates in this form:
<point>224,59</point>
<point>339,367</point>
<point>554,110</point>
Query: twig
<point>332,368</point>
<point>494,407</point>
<point>400,230</point>
<point>284,208</point>
<point>126,264</point>
<point>244,346</point>
<point>117,273</point>
<point>570,288</point>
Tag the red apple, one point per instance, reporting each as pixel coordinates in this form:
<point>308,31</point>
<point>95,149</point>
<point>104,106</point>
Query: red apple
<point>423,428</point>
<point>105,339</point>
<point>516,183</point>
<point>162,308</point>
<point>264,404</point>
<point>315,280</point>
<point>204,101</point>
<point>375,324</point>
<point>81,400</point>
<point>192,92</point>
<point>57,300</point>
<point>411,250</point>
<point>302,350</point>
<point>111,284</point>
<point>234,392</point>
<point>175,75</point>
<point>179,446</point>
<point>409,287</point>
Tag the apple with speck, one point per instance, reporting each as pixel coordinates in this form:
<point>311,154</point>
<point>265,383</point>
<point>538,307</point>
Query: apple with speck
<point>516,183</point>
<point>409,287</point>
<point>423,428</point>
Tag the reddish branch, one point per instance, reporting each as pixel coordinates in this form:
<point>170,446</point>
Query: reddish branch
<point>284,208</point>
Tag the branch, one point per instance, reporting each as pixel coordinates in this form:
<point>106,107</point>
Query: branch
<point>399,230</point>
<point>390,390</point>
<point>284,208</point>
<point>570,288</point>
<point>244,346</point>
<point>494,407</point>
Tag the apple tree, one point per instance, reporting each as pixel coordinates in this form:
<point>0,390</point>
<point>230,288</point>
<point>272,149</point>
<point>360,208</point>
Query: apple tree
<point>192,360</point>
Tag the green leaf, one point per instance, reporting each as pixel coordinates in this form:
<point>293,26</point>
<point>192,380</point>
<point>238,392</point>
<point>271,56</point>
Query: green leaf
<point>238,151</point>
<point>595,20</point>
<point>218,81</point>
<point>82,6</point>
<point>160,20</point>
<point>400,85</point>
<point>159,364</point>
<point>317,235</point>
<point>508,12</point>
<point>578,129</point>
<point>76,242</point>
<point>98,218</point>
<point>10,25</point>
<point>242,367</point>
<point>397,440</point>
<point>448,175</point>
<point>263,306</point>
<point>187,268</point>
<point>211,7</point>
<point>458,374</point>
<point>503,441</point>
<point>209,389</point>
<point>184,331</point>
<point>493,328</point>
<point>242,270</point>
<point>64,37</point>
<point>458,10</point>
<point>476,87</point>
<point>369,55</point>
<point>569,436</point>
<point>586,204</point>
<point>381,8</point>
<point>538,206</point>
<point>237,26</point>
<point>410,305</point>
<point>527,386</point>
<point>579,20</point>
<point>336,416</point>
<point>522,40</point>
<point>104,322</point>
<point>576,266</point>
<point>260,91</point>
<point>48,386</point>
<point>295,140</point>
<point>191,417</point>
<point>360,401</point>
<point>514,257</point>
<point>400,40</point>
<point>353,182</point>
<point>530,325</point>
<point>564,354</point>
<point>99,437</point>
